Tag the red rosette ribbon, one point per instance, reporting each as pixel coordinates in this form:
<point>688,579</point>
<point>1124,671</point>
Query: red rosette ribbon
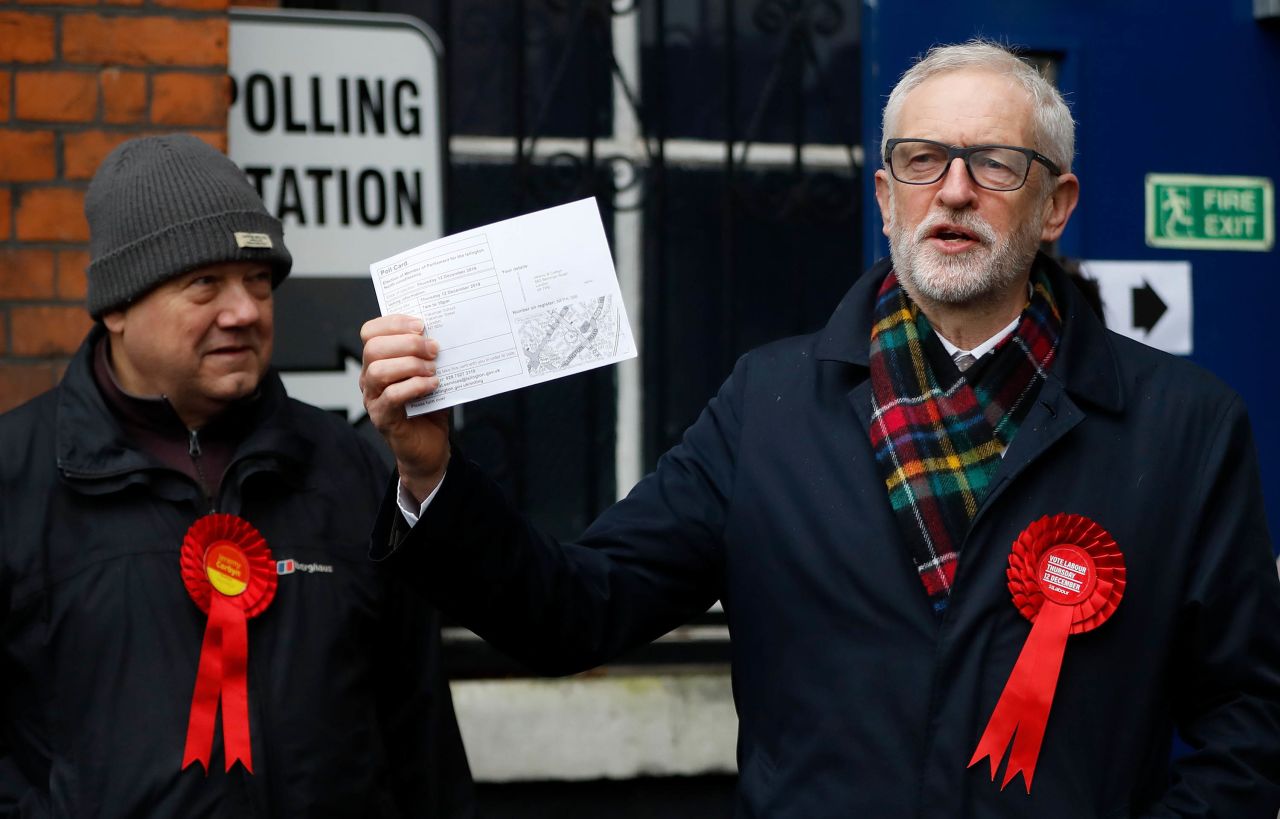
<point>228,571</point>
<point>1067,576</point>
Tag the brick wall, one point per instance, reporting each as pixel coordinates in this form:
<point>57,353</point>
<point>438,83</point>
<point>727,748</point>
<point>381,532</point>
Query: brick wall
<point>77,77</point>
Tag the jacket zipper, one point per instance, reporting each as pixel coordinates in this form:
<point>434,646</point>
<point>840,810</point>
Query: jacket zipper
<point>193,449</point>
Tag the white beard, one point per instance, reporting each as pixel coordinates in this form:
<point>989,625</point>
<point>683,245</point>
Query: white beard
<point>991,267</point>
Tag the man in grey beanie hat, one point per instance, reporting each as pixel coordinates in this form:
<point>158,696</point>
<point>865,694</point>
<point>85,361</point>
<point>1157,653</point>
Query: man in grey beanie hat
<point>182,248</point>
<point>168,480</point>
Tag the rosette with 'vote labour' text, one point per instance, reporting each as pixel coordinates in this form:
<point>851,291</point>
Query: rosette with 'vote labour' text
<point>228,572</point>
<point>1067,576</point>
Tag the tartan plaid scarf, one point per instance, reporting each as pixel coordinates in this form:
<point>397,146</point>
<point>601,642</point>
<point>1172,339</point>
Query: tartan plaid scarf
<point>939,435</point>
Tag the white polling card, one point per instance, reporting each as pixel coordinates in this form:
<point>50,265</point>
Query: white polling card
<point>513,303</point>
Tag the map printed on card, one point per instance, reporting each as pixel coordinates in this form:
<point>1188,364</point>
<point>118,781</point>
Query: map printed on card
<point>513,303</point>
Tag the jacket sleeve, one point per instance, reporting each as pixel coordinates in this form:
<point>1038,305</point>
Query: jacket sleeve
<point>19,797</point>
<point>1227,678</point>
<point>648,564</point>
<point>427,760</point>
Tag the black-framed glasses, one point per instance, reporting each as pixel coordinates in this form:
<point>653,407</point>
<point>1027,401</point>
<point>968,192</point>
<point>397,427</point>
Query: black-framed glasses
<point>994,167</point>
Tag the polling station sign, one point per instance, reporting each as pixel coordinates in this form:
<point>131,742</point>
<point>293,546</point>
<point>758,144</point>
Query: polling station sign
<point>1210,212</point>
<point>335,118</point>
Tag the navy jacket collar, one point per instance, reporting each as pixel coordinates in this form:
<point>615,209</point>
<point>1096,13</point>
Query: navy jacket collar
<point>1086,364</point>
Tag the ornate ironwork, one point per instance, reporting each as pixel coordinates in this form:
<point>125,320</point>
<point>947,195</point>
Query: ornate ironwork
<point>797,25</point>
<point>543,70</point>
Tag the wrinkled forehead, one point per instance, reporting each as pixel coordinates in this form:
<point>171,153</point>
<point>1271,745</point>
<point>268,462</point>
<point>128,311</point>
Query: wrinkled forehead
<point>967,107</point>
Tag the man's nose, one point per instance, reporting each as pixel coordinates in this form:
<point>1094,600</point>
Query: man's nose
<point>239,307</point>
<point>958,188</point>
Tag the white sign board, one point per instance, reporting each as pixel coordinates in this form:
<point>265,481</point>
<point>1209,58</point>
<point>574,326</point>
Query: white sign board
<point>1146,301</point>
<point>336,120</point>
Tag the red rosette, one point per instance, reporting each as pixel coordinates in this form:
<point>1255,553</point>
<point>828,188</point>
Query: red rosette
<point>1067,530</point>
<point>215,530</point>
<point>228,571</point>
<point>1067,576</point>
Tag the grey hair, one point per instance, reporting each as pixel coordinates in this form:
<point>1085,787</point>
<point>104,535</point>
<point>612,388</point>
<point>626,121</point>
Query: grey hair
<point>1054,130</point>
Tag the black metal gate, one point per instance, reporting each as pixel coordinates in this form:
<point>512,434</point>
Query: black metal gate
<point>720,139</point>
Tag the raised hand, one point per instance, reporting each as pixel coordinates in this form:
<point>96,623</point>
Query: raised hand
<point>399,367</point>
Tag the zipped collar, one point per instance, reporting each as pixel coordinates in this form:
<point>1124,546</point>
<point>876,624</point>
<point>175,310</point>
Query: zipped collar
<point>93,447</point>
<point>154,426</point>
<point>1086,363</point>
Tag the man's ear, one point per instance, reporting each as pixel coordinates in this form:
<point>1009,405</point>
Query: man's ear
<point>883,200</point>
<point>1058,207</point>
<point>114,321</point>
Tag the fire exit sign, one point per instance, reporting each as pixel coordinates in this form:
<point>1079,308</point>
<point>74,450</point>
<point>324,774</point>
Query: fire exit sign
<point>1210,212</point>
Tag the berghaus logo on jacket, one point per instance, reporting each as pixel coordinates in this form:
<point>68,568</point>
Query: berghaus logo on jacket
<point>290,566</point>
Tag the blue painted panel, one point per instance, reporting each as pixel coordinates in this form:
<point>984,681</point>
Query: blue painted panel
<point>1177,86</point>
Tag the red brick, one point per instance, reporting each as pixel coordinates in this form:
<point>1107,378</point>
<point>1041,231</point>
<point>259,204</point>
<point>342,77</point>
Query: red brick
<point>124,2</point>
<point>56,96</point>
<point>52,215</point>
<point>21,382</point>
<point>216,139</point>
<point>262,4</point>
<point>6,212</point>
<point>25,37</point>
<point>72,265</point>
<point>93,38</point>
<point>47,330</point>
<point>57,2</point>
<point>124,95</point>
<point>83,151</point>
<point>26,156</point>
<point>4,334</point>
<point>190,99</point>
<point>5,78</point>
<point>207,5</point>
<point>26,273</point>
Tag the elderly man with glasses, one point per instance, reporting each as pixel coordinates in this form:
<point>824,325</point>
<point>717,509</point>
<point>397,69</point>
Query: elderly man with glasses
<point>962,534</point>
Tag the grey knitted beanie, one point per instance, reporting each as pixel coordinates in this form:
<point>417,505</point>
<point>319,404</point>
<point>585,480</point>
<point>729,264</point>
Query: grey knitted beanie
<point>164,205</point>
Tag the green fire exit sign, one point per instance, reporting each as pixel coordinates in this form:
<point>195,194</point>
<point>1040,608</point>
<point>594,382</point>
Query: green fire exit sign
<point>1210,212</point>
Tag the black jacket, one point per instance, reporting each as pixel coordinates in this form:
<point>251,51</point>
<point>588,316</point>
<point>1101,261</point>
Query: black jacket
<point>854,698</point>
<point>99,640</point>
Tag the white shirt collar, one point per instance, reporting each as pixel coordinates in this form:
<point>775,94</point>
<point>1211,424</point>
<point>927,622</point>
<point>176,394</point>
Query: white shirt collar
<point>983,348</point>
<point>990,344</point>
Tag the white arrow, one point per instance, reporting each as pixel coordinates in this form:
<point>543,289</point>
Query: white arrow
<point>329,389</point>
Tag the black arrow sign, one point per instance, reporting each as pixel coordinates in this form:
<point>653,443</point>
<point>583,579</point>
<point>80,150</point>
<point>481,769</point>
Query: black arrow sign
<point>1148,307</point>
<point>318,321</point>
